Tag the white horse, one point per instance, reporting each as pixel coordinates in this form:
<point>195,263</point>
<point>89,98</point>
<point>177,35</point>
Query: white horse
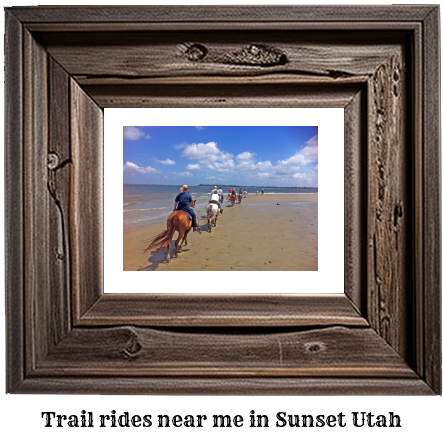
<point>212,212</point>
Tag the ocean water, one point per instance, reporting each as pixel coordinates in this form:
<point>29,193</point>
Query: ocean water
<point>152,202</point>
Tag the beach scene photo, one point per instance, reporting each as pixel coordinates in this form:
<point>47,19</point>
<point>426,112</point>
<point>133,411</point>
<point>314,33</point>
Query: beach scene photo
<point>255,190</point>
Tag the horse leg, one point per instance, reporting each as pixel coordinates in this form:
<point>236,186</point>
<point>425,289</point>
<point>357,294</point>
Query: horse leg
<point>209,218</point>
<point>169,225</point>
<point>177,242</point>
<point>185,237</point>
<point>188,229</point>
<point>168,257</point>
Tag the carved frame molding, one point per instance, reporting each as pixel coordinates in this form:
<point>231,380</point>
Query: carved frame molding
<point>64,65</point>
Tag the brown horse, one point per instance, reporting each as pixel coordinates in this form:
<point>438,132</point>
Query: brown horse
<point>177,221</point>
<point>240,196</point>
<point>232,199</point>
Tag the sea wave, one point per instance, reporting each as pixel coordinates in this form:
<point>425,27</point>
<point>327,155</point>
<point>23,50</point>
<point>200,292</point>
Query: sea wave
<point>146,218</point>
<point>145,209</point>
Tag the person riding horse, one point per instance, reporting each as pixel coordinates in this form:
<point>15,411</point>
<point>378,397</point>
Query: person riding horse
<point>215,199</point>
<point>183,202</point>
<point>233,197</point>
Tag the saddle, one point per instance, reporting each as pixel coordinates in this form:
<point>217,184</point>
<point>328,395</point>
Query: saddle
<point>213,202</point>
<point>189,214</point>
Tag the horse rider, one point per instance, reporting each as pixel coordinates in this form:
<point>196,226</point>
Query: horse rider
<point>220,193</point>
<point>233,194</point>
<point>183,202</point>
<point>240,192</point>
<point>262,191</point>
<point>215,199</point>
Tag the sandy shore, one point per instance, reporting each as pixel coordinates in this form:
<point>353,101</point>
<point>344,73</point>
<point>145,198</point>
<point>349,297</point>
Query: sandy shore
<point>256,235</point>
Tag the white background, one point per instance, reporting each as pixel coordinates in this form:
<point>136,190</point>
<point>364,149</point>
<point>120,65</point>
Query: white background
<point>20,414</point>
<point>330,122</point>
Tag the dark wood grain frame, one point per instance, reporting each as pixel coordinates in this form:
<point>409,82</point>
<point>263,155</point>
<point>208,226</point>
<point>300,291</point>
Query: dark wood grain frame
<point>64,65</point>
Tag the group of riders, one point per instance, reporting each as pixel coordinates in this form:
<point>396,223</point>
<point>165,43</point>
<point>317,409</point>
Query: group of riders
<point>183,201</point>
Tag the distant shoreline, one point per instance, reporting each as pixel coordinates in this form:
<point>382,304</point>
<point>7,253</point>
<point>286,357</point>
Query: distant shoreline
<point>263,187</point>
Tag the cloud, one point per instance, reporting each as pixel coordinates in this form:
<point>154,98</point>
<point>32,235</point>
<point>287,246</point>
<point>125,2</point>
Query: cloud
<point>264,175</point>
<point>245,156</point>
<point>183,174</point>
<point>180,146</point>
<point>285,170</point>
<point>133,133</point>
<point>263,166</point>
<point>246,160</point>
<point>132,167</point>
<point>201,151</point>
<point>166,162</point>
<point>195,166</point>
<point>200,128</point>
<point>307,155</point>
<point>210,156</point>
<point>313,141</point>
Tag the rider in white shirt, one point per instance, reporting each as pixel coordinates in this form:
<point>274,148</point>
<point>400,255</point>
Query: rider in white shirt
<point>215,197</point>
<point>220,194</point>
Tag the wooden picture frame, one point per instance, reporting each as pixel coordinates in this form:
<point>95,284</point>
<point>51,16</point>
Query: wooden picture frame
<point>65,64</point>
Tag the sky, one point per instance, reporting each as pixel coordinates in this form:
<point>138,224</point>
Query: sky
<point>281,156</point>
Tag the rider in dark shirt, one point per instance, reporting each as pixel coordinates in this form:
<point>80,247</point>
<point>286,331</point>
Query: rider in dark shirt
<point>183,202</point>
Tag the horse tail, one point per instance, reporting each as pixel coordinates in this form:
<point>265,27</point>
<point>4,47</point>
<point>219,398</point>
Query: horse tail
<point>160,241</point>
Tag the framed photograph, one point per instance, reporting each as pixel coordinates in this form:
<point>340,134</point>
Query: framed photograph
<point>376,330</point>
<point>274,237</point>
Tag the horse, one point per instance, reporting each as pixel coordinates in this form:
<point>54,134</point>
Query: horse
<point>233,198</point>
<point>177,221</point>
<point>240,196</point>
<point>212,212</point>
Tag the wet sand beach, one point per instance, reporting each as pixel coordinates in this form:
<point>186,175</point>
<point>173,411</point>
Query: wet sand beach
<point>256,235</point>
